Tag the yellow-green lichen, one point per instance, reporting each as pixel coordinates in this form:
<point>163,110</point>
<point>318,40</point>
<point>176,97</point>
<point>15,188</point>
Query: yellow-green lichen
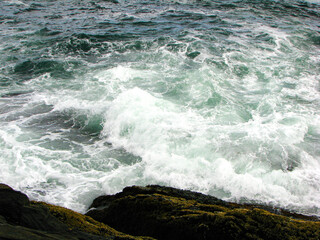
<point>80,222</point>
<point>164,217</point>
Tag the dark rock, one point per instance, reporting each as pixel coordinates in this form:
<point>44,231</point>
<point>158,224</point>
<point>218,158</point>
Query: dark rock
<point>11,232</point>
<point>11,203</point>
<point>38,217</point>
<point>104,201</point>
<point>21,219</point>
<point>168,213</point>
<point>159,212</point>
<point>16,209</point>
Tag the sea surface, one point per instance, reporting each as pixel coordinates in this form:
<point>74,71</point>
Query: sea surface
<point>216,96</point>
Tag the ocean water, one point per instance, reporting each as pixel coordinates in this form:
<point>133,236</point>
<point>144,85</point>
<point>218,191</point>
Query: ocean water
<point>216,96</point>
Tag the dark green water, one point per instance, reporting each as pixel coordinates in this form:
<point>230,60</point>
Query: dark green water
<point>221,97</point>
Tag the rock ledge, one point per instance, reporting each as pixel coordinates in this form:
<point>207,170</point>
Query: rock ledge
<point>169,213</point>
<point>151,212</point>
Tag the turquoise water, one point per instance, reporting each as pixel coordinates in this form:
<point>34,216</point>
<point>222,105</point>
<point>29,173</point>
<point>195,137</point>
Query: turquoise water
<point>221,97</point>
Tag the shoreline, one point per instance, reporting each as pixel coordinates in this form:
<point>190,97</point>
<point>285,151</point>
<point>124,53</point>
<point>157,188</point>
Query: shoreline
<point>151,212</point>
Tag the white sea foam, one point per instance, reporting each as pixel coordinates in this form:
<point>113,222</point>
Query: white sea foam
<point>259,158</point>
<point>182,149</point>
<point>240,121</point>
<point>16,2</point>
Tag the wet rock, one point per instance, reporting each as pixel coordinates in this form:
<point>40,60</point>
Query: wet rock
<point>168,213</point>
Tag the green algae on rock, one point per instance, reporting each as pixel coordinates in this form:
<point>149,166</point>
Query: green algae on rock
<point>80,222</point>
<point>21,219</point>
<point>168,213</point>
<point>154,212</point>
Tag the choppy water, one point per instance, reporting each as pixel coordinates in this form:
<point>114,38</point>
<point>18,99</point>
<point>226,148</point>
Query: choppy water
<point>221,97</point>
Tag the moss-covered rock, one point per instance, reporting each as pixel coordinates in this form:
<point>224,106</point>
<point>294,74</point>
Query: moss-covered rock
<point>21,219</point>
<point>83,223</point>
<point>159,212</point>
<point>168,213</point>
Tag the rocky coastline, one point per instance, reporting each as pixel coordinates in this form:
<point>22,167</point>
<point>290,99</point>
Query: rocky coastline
<point>151,212</point>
